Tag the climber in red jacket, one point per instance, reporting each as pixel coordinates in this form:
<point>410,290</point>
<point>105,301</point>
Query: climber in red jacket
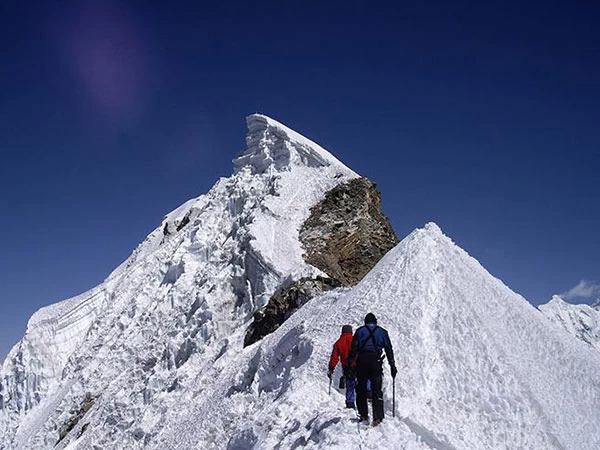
<point>341,350</point>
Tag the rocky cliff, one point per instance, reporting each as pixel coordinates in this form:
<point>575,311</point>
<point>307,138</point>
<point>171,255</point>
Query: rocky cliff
<point>345,235</point>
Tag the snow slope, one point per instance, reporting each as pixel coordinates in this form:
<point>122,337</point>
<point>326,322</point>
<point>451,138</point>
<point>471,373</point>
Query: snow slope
<point>479,368</point>
<point>581,321</point>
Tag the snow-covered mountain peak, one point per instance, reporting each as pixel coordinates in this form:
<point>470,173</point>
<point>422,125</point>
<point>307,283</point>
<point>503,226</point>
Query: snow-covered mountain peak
<point>557,300</point>
<point>427,235</point>
<point>479,367</point>
<point>188,292</point>
<point>433,228</point>
<point>270,145</point>
<point>424,242</point>
<point>581,321</point>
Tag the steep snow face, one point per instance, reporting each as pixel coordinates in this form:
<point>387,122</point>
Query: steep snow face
<point>183,295</point>
<point>582,321</point>
<point>479,368</point>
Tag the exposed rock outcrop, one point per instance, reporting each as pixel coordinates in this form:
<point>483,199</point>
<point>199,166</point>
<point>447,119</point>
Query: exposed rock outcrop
<point>283,303</point>
<point>66,428</point>
<point>345,235</point>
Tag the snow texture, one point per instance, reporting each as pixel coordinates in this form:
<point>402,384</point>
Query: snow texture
<point>153,358</point>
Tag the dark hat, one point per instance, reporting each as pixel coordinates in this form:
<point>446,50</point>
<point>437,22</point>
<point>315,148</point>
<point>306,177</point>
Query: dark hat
<point>370,318</point>
<point>346,329</point>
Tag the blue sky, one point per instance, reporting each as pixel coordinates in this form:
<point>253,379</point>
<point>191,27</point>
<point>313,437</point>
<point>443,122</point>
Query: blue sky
<point>483,118</point>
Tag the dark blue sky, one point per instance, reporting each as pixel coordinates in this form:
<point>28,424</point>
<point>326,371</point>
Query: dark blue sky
<point>483,118</point>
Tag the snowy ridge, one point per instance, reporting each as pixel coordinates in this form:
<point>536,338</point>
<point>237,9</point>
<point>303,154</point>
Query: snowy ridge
<point>478,369</point>
<point>581,321</point>
<point>196,279</point>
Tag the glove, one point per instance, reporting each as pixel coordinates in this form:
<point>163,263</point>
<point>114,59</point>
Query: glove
<point>329,373</point>
<point>349,373</point>
<point>394,371</point>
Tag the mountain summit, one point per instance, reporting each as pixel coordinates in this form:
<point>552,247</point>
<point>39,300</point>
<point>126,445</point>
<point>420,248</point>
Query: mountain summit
<point>292,245</point>
<point>270,144</point>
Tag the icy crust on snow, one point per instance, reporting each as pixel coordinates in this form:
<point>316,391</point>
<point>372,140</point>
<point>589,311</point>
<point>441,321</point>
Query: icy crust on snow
<point>479,368</point>
<point>179,302</point>
<point>581,321</point>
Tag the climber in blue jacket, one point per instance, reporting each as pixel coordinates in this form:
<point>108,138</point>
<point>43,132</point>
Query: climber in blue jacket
<point>366,358</point>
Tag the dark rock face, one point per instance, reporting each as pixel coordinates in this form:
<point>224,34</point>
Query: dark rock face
<point>283,303</point>
<point>347,233</point>
<point>345,236</point>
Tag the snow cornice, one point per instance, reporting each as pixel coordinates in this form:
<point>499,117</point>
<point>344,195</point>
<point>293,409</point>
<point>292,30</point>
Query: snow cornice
<point>270,144</point>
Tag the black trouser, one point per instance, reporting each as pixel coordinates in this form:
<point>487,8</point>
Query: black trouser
<point>369,367</point>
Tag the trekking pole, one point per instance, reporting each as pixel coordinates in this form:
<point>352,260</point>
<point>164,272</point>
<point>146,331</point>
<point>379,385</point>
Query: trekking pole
<point>394,397</point>
<point>330,385</point>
